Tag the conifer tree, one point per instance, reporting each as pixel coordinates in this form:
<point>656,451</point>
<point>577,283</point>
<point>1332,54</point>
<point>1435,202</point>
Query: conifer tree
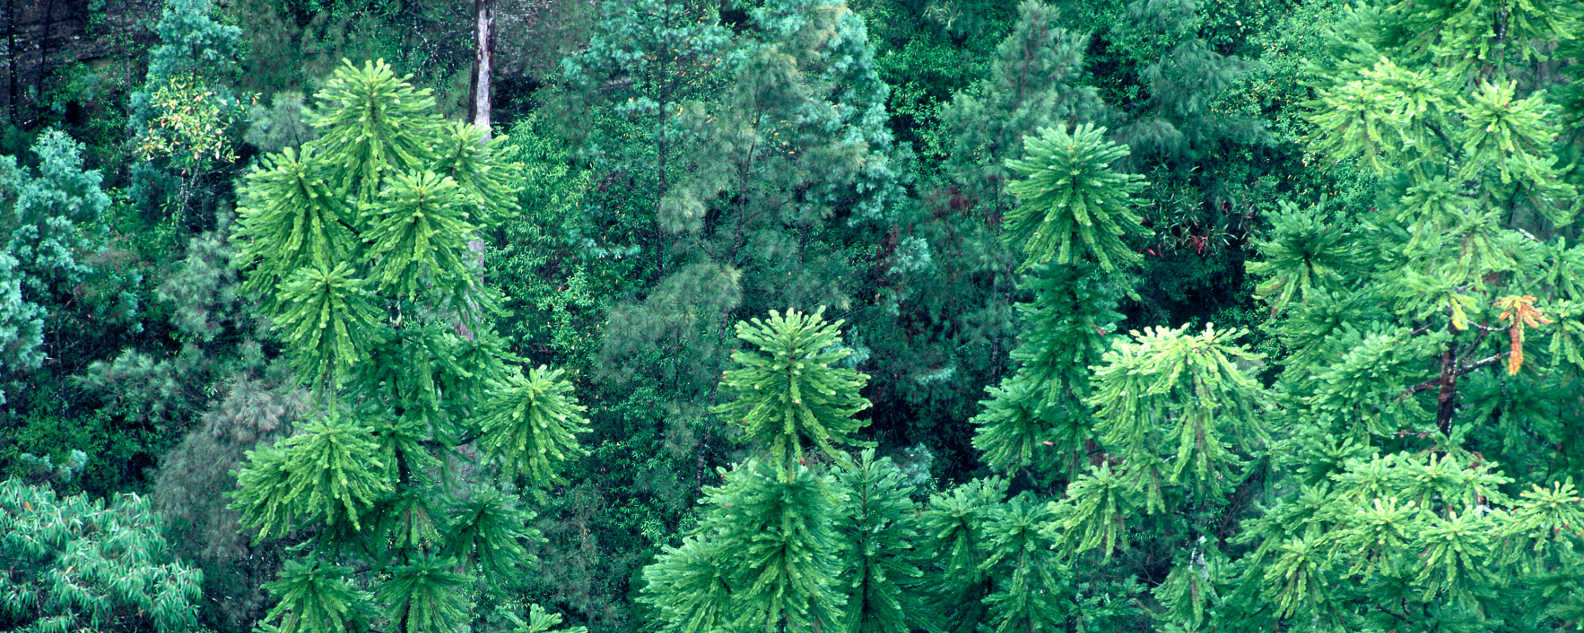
<point>780,523</point>
<point>765,557</point>
<point>1174,408</point>
<point>52,223</point>
<point>955,525</point>
<point>766,164</point>
<point>768,553</point>
<point>531,424</point>
<point>1038,417</point>
<point>1072,206</point>
<point>788,391</point>
<point>364,248</point>
<point>1470,193</point>
<point>880,529</point>
<point>1030,592</point>
<point>317,597</point>
<point>1033,84</point>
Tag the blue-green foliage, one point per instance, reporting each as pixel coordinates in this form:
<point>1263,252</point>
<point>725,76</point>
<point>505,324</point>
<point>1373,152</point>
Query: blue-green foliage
<point>51,223</point>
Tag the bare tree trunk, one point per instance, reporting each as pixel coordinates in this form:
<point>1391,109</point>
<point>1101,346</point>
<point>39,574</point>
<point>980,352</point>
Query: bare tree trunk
<point>1446,395</point>
<point>12,56</point>
<point>484,38</point>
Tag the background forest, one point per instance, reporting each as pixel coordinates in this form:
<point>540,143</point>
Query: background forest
<point>697,316</point>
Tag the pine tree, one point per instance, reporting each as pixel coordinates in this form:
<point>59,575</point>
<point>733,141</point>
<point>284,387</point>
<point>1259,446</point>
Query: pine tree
<point>1034,83</point>
<point>1071,204</point>
<point>878,523</point>
<point>365,249</point>
<point>788,391</point>
<point>52,223</point>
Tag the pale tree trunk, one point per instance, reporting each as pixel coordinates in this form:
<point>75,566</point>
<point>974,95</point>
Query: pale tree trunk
<point>484,40</point>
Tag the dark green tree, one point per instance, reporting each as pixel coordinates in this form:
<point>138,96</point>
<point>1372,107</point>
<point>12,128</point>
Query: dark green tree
<point>1038,417</point>
<point>1035,82</point>
<point>77,564</point>
<point>955,525</point>
<point>879,523</point>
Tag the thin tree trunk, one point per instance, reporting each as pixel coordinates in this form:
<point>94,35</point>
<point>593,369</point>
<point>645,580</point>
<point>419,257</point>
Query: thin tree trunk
<point>12,55</point>
<point>43,48</point>
<point>1446,396</point>
<point>484,40</point>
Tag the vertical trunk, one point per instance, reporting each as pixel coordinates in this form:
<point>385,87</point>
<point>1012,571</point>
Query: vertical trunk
<point>1446,396</point>
<point>11,59</point>
<point>43,51</point>
<point>484,40</point>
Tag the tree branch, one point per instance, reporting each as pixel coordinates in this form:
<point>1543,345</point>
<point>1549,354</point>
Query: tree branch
<point>1431,383</point>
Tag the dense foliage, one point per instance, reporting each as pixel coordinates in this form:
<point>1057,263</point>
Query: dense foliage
<point>871,316</point>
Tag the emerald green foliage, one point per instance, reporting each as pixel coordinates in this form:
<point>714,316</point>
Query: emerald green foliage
<point>531,422</point>
<point>1235,316</point>
<point>1038,417</point>
<point>1302,255</point>
<point>783,573</point>
<point>541,621</point>
<point>300,223</point>
<point>328,323</point>
<point>1071,204</point>
<point>72,563</point>
<point>330,472</point>
<point>955,526</point>
<point>1029,592</point>
<point>425,595</point>
<point>488,531</point>
<point>369,264</point>
<point>788,391</point>
<point>1173,407</point>
<point>317,597</point>
<point>372,125</point>
<point>880,526</point>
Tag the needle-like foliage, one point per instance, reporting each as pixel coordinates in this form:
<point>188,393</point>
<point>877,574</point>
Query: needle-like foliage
<point>1073,205</point>
<point>788,391</point>
<point>530,423</point>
